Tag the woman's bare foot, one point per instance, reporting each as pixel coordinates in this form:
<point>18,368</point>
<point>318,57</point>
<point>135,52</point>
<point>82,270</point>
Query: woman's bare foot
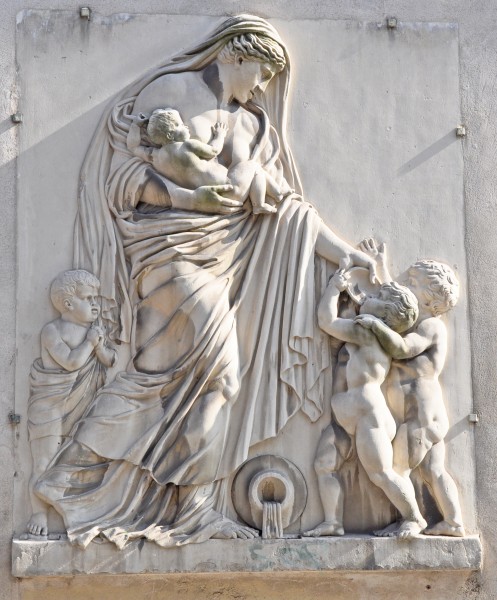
<point>38,524</point>
<point>229,530</point>
<point>325,528</point>
<point>445,528</point>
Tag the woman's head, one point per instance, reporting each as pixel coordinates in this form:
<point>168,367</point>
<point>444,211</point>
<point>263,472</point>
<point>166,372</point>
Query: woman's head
<point>254,47</point>
<point>247,63</point>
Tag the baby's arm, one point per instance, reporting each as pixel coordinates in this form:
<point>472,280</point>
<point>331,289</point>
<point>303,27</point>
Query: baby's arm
<point>394,344</point>
<point>328,319</point>
<point>105,354</point>
<point>69,359</point>
<point>214,147</point>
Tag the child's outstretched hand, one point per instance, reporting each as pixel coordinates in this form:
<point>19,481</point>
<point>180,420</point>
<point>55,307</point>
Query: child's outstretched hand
<point>377,251</point>
<point>220,129</point>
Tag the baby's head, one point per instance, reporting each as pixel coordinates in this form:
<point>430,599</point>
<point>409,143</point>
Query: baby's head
<point>395,304</point>
<point>76,292</point>
<point>434,284</point>
<point>165,126</point>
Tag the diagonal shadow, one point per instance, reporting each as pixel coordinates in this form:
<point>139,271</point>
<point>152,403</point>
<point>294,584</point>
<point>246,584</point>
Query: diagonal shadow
<point>457,429</point>
<point>6,125</point>
<point>428,153</point>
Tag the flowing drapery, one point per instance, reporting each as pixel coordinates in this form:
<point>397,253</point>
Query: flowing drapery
<point>220,313</point>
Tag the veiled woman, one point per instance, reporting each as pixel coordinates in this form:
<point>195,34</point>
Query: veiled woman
<point>217,303</point>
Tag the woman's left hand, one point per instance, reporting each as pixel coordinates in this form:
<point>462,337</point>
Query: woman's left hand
<point>360,259</point>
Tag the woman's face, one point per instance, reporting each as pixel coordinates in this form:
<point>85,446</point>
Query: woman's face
<point>249,76</point>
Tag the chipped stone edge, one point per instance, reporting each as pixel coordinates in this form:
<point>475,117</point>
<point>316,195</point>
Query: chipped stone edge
<point>351,553</point>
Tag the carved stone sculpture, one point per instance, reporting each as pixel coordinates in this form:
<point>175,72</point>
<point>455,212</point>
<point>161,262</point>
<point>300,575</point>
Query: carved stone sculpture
<point>361,408</point>
<point>64,379</point>
<point>184,160</point>
<point>420,356</point>
<point>218,303</point>
<point>269,493</point>
<point>212,266</point>
<point>419,360</point>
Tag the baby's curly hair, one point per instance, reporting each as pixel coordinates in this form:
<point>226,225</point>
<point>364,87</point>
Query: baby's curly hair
<point>401,306</point>
<point>66,284</point>
<point>161,125</point>
<point>442,291</point>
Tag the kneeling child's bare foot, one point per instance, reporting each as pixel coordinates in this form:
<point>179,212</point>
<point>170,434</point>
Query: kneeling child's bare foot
<point>38,524</point>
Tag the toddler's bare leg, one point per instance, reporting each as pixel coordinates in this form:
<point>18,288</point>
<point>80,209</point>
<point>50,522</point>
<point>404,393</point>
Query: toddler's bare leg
<point>445,491</point>
<point>400,446</point>
<point>401,466</point>
<point>374,449</point>
<point>419,443</point>
<point>426,430</point>
<point>329,459</point>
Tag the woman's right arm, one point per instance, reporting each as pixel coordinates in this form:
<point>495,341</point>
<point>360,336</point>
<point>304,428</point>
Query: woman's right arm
<point>159,191</point>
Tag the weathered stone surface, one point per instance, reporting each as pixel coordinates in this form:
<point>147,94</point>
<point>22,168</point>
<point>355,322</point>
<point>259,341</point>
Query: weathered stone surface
<point>365,97</point>
<point>477,101</point>
<point>351,553</point>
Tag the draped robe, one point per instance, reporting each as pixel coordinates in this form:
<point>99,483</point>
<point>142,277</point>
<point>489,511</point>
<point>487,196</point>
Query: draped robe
<point>58,398</point>
<point>220,311</point>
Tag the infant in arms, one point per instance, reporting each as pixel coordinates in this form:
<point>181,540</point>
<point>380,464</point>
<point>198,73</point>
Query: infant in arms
<point>191,163</point>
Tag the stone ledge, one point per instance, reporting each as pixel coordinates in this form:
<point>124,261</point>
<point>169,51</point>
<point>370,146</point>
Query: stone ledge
<point>351,553</point>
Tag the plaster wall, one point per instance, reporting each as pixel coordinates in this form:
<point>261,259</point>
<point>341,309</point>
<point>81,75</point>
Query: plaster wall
<point>477,73</point>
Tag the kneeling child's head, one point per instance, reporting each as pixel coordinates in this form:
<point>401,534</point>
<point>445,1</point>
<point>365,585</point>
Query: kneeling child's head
<point>76,292</point>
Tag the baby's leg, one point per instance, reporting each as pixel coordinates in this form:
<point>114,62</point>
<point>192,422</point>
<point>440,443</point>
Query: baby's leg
<point>333,446</point>
<point>240,176</point>
<point>248,179</point>
<point>445,491</point>
<point>374,449</point>
<point>278,192</point>
<point>42,450</point>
